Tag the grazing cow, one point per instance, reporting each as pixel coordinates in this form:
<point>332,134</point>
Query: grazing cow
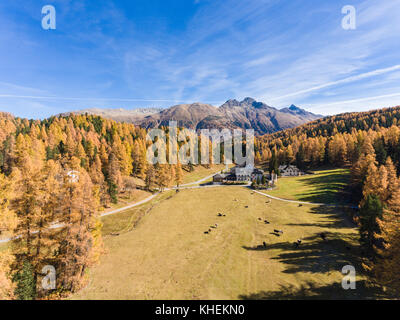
<point>219,215</point>
<point>300,205</point>
<point>246,206</point>
<point>278,231</point>
<point>297,243</point>
<point>209,230</point>
<point>266,221</point>
<point>205,232</point>
<point>259,219</point>
<point>224,215</point>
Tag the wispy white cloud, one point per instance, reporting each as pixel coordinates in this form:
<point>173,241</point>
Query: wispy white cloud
<point>362,99</point>
<point>55,98</point>
<point>342,81</point>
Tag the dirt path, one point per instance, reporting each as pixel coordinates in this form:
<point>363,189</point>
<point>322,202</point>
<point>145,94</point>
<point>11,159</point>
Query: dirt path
<point>303,202</point>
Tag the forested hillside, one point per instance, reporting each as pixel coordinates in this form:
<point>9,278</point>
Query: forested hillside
<point>368,143</point>
<point>55,176</point>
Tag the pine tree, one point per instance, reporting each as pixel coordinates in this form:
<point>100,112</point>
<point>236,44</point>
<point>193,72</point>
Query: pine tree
<point>370,211</point>
<point>273,163</point>
<point>114,177</point>
<point>300,158</point>
<point>150,177</point>
<point>79,219</point>
<point>178,174</point>
<point>386,267</point>
<point>393,183</point>
<point>27,207</point>
<point>8,222</point>
<point>163,176</point>
<point>289,155</point>
<point>26,283</point>
<point>371,183</point>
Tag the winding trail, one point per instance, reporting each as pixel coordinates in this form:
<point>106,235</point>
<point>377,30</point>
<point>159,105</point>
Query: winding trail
<point>132,205</point>
<point>303,202</point>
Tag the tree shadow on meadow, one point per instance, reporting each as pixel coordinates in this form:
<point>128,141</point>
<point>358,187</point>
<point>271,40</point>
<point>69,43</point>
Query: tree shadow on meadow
<point>315,255</point>
<point>328,188</point>
<point>311,290</point>
<point>330,218</point>
<point>318,256</point>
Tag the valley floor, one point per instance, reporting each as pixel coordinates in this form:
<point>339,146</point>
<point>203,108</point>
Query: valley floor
<point>168,256</point>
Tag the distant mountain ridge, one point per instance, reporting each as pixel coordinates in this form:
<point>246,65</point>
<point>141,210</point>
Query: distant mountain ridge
<point>120,114</point>
<point>233,114</point>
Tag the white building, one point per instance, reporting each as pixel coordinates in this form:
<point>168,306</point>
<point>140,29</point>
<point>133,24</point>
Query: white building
<point>290,170</point>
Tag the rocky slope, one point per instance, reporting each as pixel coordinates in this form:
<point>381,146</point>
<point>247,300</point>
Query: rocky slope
<point>246,114</point>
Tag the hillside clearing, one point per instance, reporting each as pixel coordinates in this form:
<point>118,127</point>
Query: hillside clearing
<point>324,186</point>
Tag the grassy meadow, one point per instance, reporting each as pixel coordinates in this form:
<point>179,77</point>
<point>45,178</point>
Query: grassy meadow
<point>200,172</point>
<point>159,250</point>
<point>324,186</point>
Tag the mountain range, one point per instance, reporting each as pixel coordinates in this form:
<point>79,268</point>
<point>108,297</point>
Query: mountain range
<point>233,114</point>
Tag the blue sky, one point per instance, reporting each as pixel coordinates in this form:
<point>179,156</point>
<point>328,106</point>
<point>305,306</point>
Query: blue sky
<point>150,53</point>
